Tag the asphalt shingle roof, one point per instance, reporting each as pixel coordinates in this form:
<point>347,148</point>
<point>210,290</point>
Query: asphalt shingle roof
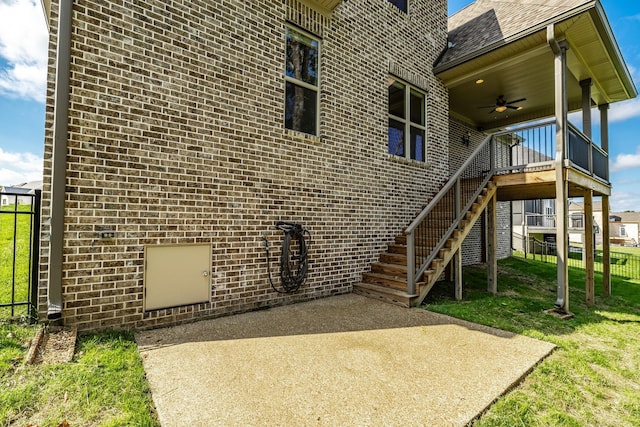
<point>485,22</point>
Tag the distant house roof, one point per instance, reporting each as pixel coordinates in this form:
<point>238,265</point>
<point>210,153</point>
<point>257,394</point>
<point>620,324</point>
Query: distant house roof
<point>625,217</point>
<point>628,217</point>
<point>16,190</point>
<point>579,206</point>
<point>31,185</point>
<point>487,22</point>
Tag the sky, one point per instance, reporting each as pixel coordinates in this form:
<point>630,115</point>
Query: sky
<point>23,74</point>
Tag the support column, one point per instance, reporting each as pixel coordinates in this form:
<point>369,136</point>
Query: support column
<point>586,106</point>
<point>606,245</point>
<point>589,258</point>
<point>492,246</point>
<point>457,272</point>
<point>562,189</point>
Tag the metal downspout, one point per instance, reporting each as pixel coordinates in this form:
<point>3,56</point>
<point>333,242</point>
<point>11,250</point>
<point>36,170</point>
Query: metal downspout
<point>59,160</point>
<point>559,48</point>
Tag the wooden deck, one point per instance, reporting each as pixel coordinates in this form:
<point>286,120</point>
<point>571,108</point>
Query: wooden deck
<point>541,184</point>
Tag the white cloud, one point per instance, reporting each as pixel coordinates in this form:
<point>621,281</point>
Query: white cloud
<point>19,167</point>
<point>23,46</point>
<point>621,111</point>
<point>625,201</point>
<point>626,161</point>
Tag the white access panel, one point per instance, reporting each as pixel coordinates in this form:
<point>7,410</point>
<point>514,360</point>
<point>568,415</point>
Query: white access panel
<point>176,275</point>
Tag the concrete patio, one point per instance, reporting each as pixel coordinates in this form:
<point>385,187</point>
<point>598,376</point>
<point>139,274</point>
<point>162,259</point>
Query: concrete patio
<point>339,361</point>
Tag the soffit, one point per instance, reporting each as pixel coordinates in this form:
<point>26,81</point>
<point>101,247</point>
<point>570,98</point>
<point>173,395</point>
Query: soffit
<point>327,5</point>
<point>46,7</point>
<point>523,67</point>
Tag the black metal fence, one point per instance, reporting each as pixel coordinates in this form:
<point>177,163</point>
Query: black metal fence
<point>622,264</point>
<point>19,253</point>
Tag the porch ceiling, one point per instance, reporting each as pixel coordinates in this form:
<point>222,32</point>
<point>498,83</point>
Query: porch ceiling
<point>522,66</point>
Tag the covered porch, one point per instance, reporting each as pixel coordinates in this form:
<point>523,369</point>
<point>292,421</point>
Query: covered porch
<point>516,76</point>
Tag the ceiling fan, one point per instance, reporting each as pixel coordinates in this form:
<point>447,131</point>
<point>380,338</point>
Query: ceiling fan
<point>502,105</point>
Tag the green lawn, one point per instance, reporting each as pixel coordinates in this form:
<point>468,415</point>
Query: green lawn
<point>624,261</point>
<point>592,378</point>
<point>20,289</point>
<point>104,385</point>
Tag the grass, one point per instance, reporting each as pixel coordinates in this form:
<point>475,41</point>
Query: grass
<point>19,290</point>
<point>104,385</point>
<point>624,249</point>
<point>624,261</point>
<point>593,378</point>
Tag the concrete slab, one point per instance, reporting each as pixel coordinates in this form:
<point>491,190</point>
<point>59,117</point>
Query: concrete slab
<point>345,360</point>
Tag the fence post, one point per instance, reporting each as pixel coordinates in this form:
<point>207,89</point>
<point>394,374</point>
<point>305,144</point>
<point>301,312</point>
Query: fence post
<point>34,278</point>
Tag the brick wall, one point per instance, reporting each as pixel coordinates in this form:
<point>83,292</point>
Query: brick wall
<point>176,136</point>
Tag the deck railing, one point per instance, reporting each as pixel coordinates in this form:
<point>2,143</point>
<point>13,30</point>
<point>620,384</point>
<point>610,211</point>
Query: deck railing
<point>530,147</point>
<point>534,147</point>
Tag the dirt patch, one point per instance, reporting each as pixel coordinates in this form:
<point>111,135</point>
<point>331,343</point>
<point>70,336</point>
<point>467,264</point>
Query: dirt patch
<point>53,345</point>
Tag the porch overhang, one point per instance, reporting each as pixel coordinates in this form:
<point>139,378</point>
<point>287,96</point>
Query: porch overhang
<point>520,65</point>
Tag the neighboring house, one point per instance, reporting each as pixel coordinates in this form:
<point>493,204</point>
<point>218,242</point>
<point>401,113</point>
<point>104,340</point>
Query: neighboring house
<point>533,219</point>
<point>20,193</point>
<point>180,133</point>
<point>625,228</point>
<point>537,219</point>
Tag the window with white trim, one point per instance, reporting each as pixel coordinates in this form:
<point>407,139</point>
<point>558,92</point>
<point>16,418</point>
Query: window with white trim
<point>400,4</point>
<point>302,94</point>
<point>407,120</point>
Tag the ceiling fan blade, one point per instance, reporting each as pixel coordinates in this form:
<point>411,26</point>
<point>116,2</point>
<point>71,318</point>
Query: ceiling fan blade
<point>493,110</point>
<point>512,107</point>
<point>517,100</point>
<point>487,106</point>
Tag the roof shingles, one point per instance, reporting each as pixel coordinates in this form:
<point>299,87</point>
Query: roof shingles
<point>485,22</point>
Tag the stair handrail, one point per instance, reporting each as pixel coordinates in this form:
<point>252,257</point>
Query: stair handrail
<point>454,180</point>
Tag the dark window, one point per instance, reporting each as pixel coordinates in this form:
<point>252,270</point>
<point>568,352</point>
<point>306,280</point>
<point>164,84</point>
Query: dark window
<point>302,76</point>
<point>407,120</point>
<point>400,4</point>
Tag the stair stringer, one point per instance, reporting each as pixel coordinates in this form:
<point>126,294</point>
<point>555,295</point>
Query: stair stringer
<point>437,266</point>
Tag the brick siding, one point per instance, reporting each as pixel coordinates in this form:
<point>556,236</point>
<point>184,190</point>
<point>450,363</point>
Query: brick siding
<point>176,136</point>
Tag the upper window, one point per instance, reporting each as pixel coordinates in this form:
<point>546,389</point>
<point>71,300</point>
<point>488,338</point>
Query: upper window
<point>400,4</point>
<point>407,130</point>
<point>302,77</point>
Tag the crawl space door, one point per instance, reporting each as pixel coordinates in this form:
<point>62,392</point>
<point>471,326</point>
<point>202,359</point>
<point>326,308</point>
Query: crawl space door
<point>176,275</point>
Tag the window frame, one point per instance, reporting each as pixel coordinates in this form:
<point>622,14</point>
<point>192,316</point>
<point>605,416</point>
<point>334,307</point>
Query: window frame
<point>408,124</point>
<point>288,79</point>
<point>406,10</point>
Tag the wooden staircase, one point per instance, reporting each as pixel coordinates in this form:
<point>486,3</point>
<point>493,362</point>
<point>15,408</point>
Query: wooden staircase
<point>387,279</point>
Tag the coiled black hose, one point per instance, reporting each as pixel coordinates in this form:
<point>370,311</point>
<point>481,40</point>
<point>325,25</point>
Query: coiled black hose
<point>293,258</point>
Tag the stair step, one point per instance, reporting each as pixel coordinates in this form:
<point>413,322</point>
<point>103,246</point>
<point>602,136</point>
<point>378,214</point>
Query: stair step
<point>393,281</point>
<point>397,248</point>
<point>420,240</point>
<point>384,293</point>
<point>391,269</point>
<point>394,258</point>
